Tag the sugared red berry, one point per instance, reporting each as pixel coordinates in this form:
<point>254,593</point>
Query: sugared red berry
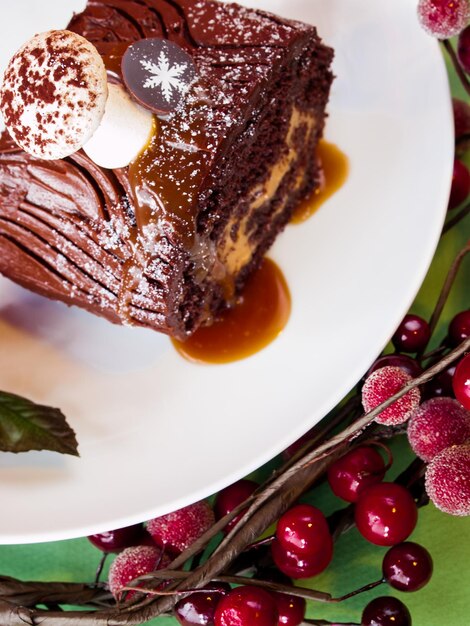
<point>412,335</point>
<point>405,362</point>
<point>386,514</point>
<point>178,530</point>
<point>460,187</point>
<point>407,566</point>
<point>441,385</point>
<point>302,529</point>
<point>291,609</point>
<point>230,497</point>
<point>459,328</point>
<point>247,605</point>
<point>437,424</point>
<point>380,386</point>
<point>119,539</point>
<point>132,563</point>
<point>357,469</point>
<point>448,480</point>
<point>296,566</point>
<point>198,609</point>
<point>443,18</point>
<point>463,49</point>
<point>461,382</point>
<point>386,611</point>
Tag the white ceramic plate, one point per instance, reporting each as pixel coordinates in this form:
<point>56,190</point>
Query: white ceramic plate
<point>157,432</point>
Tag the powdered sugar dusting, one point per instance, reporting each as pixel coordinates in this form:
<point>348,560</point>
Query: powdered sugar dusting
<point>54,94</point>
<point>437,424</point>
<point>380,386</point>
<point>448,480</point>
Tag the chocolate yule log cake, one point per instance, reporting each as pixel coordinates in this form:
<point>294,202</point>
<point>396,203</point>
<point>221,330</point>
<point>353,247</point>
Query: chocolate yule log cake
<point>226,104</point>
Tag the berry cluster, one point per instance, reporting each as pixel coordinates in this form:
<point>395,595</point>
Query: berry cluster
<point>438,428</point>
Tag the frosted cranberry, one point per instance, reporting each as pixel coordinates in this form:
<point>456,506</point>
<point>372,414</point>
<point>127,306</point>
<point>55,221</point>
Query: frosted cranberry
<point>178,530</point>
<point>302,529</point>
<point>296,566</point>
<point>386,611</point>
<point>132,563</point>
<point>291,609</point>
<point>412,335</point>
<point>247,605</point>
<point>403,361</point>
<point>463,49</point>
<point>386,514</point>
<point>198,609</point>
<point>382,385</point>
<point>442,18</point>
<point>119,539</point>
<point>437,424</point>
<point>459,328</point>
<point>461,382</point>
<point>357,469</point>
<point>460,187</point>
<point>448,480</point>
<point>230,497</point>
<point>407,566</point>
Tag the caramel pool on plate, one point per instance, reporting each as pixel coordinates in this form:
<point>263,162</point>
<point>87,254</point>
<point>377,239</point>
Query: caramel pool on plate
<point>255,321</point>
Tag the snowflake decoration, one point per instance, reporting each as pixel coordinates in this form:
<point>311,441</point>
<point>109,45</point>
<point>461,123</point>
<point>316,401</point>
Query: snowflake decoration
<point>165,76</point>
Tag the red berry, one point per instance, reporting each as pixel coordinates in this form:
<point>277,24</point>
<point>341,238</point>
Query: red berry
<point>461,382</point>
<point>412,335</point>
<point>291,609</point>
<point>441,385</point>
<point>357,469</point>
<point>386,611</point>
<point>460,187</point>
<point>448,480</point>
<point>407,566</point>
<point>178,530</point>
<point>247,605</point>
<point>296,566</point>
<point>119,539</point>
<point>199,607</point>
<point>405,362</point>
<point>463,49</point>
<point>380,386</point>
<point>231,497</point>
<point>459,328</point>
<point>443,18</point>
<point>437,424</point>
<point>132,563</point>
<point>303,529</point>
<point>461,110</point>
<point>386,514</point>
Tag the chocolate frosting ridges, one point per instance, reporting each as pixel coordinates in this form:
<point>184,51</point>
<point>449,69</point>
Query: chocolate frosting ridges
<point>74,231</point>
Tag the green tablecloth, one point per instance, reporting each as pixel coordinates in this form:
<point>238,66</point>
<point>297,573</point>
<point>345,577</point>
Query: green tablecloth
<point>444,602</point>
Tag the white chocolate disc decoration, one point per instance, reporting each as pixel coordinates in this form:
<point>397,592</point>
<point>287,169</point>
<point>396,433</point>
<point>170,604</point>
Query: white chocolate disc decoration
<point>124,131</point>
<point>54,94</point>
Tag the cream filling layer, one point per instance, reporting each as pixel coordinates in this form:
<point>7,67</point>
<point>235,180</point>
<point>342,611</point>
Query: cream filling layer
<point>236,254</point>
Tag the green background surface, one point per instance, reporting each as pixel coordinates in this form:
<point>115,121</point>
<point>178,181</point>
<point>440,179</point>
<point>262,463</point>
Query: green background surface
<point>445,601</point>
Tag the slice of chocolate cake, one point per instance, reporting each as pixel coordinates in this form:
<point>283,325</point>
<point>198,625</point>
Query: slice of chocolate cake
<point>169,239</point>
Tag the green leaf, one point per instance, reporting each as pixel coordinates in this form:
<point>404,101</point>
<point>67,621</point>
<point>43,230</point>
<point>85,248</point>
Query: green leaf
<point>26,426</point>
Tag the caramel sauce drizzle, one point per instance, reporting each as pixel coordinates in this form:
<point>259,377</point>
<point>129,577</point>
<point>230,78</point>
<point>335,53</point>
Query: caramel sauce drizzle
<point>254,322</point>
<point>334,166</point>
<point>263,309</point>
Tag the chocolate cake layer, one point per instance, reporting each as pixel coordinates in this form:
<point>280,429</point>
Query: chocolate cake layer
<point>167,241</point>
